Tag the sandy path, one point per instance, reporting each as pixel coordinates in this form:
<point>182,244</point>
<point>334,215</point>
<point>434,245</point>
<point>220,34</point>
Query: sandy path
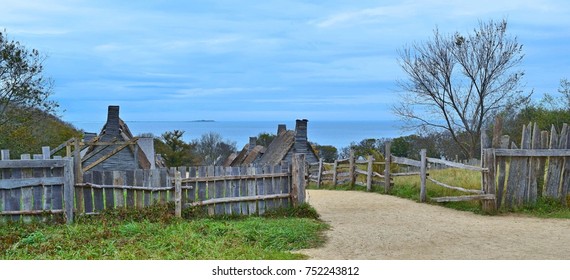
<point>374,226</point>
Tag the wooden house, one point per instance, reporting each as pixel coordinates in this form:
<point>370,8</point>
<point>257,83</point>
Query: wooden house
<point>115,148</point>
<point>287,143</point>
<point>250,153</point>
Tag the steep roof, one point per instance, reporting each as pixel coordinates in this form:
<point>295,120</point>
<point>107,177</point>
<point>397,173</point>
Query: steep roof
<point>278,149</point>
<point>116,130</point>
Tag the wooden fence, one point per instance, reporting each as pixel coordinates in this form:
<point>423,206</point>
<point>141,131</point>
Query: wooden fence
<point>35,185</point>
<point>30,187</point>
<point>539,168</point>
<point>511,177</point>
<point>347,171</point>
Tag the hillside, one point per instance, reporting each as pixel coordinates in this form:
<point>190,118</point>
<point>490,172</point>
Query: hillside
<point>27,135</point>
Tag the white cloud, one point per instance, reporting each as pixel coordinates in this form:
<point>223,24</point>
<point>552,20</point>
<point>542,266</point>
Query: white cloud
<point>204,92</point>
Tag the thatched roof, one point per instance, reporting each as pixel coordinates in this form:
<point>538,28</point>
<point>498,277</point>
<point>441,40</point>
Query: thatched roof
<point>278,149</point>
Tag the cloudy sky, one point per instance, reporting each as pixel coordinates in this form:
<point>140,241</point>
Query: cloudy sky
<point>251,60</point>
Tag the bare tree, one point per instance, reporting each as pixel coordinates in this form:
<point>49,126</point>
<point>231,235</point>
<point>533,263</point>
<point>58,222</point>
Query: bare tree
<point>212,148</point>
<point>455,82</point>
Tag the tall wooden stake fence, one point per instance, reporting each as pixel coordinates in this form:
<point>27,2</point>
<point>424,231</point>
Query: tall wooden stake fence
<point>42,185</point>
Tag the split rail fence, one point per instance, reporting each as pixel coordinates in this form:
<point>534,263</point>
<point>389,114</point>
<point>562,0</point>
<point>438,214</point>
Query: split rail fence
<point>31,187</point>
<point>346,171</point>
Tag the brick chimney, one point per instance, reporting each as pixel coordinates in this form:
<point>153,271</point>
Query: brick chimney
<point>252,143</point>
<point>281,128</point>
<point>301,141</point>
<point>112,127</point>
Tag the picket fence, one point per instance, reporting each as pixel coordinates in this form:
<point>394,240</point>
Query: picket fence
<point>44,186</point>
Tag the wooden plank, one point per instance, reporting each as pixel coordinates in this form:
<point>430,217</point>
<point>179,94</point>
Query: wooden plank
<point>453,188</point>
<point>88,199</point>
<point>512,180</point>
<point>423,175</point>
<point>553,152</point>
<point>335,170</point>
<point>68,188</point>
<point>554,165</point>
<point>298,179</point>
<point>178,194</point>
<point>130,194</point>
<point>98,198</point>
<point>244,207</point>
<point>269,184</point>
<point>521,196</point>
<point>164,182</point>
<point>29,182</point>
<point>565,176</point>
<point>351,169</point>
<point>211,189</point>
<point>235,189</point>
<point>139,193</point>
<point>237,199</point>
<point>286,184</point>
<point>109,193</point>
<point>542,168</point>
<point>406,161</point>
<point>119,178</point>
<point>79,200</point>
<point>219,186</point>
<point>228,191</point>
<point>502,171</point>
<point>489,206</point>
<point>2,203</point>
<point>387,166</point>
<point>456,164</point>
<point>14,196</point>
<point>534,166</point>
<point>156,183</point>
<point>251,191</point>
<point>260,185</point>
<point>191,193</point>
<point>202,186</point>
<point>32,163</point>
<point>27,202</point>
<point>369,174</point>
<point>234,177</point>
<point>462,198</point>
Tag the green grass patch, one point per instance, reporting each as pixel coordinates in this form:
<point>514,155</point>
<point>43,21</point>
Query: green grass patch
<point>154,233</point>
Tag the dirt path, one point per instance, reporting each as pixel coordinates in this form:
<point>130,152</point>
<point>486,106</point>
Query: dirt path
<point>374,226</point>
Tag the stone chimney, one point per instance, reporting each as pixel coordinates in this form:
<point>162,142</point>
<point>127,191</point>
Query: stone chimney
<point>112,127</point>
<point>301,141</point>
<point>252,143</point>
<point>281,128</point>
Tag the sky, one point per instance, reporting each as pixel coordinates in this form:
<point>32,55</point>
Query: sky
<point>260,60</point>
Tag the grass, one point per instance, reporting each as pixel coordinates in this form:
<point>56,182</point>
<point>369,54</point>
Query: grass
<point>409,187</point>
<point>154,233</point>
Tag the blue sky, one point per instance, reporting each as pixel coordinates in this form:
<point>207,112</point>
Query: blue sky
<point>259,60</point>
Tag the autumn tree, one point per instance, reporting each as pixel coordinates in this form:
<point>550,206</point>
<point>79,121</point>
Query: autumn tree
<point>23,86</point>
<point>456,82</point>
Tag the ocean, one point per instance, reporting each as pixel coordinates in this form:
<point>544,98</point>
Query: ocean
<point>336,133</point>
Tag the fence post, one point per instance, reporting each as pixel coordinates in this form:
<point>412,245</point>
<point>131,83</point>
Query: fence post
<point>387,159</point>
<point>320,173</point>
<point>369,173</point>
<point>489,206</point>
<point>423,192</point>
<point>351,168</point>
<point>178,194</point>
<point>334,172</point>
<point>298,176</point>
<point>68,190</point>
<point>5,155</point>
<point>77,161</point>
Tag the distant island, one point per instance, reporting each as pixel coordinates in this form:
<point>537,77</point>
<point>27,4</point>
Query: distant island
<point>203,121</point>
